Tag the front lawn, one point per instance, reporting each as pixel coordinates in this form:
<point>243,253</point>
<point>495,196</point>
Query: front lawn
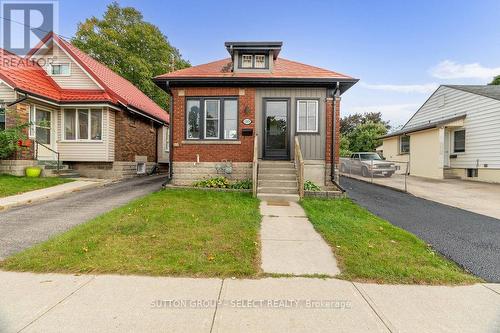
<point>171,232</point>
<point>12,185</point>
<point>369,248</point>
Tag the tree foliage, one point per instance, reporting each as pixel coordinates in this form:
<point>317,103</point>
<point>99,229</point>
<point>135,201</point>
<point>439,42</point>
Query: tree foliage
<point>495,81</point>
<point>133,48</point>
<point>361,132</point>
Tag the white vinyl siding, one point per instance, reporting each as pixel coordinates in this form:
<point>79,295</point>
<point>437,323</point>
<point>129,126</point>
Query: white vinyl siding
<point>89,150</point>
<point>78,78</point>
<point>6,93</point>
<point>482,124</point>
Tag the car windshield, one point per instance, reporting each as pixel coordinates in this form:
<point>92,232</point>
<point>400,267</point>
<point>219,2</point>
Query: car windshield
<point>369,157</point>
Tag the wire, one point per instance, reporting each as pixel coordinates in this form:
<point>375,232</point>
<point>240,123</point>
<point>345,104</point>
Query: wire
<point>23,24</point>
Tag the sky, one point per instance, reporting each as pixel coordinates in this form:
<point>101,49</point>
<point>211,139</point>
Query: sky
<point>400,50</point>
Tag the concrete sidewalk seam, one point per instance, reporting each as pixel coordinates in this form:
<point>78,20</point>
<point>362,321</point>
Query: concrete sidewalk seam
<point>216,306</point>
<point>62,300</point>
<point>374,308</point>
<point>493,290</point>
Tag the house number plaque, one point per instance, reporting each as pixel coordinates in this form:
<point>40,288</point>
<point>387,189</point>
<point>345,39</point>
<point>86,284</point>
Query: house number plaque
<point>247,121</point>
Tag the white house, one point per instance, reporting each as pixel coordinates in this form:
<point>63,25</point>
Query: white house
<point>454,134</point>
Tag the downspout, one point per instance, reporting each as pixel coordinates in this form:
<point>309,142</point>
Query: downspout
<point>25,97</point>
<point>170,132</point>
<point>336,92</point>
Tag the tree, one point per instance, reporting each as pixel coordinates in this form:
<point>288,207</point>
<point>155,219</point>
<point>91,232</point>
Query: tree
<point>133,48</point>
<point>344,147</point>
<point>350,122</point>
<point>365,137</point>
<point>496,80</point>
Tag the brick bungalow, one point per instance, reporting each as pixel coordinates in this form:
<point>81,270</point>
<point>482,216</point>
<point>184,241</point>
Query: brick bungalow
<point>222,108</point>
<point>81,112</point>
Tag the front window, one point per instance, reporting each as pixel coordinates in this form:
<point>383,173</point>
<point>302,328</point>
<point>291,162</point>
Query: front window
<point>166,138</point>
<point>247,61</point>
<point>2,119</point>
<point>59,69</point>
<point>370,157</point>
<point>307,116</point>
<point>459,141</point>
<point>216,116</point>
<point>404,144</point>
<point>83,124</point>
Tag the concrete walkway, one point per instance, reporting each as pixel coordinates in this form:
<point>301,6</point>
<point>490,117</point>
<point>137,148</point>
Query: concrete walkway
<point>106,303</point>
<point>22,227</point>
<point>478,197</point>
<point>290,245</point>
<point>49,192</point>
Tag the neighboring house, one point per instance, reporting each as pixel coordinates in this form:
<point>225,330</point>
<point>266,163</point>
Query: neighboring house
<point>98,123</point>
<point>455,134</point>
<point>219,109</point>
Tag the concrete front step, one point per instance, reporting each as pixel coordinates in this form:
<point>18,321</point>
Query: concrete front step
<point>278,197</point>
<point>278,183</point>
<point>281,165</point>
<point>276,171</point>
<point>277,190</point>
<point>277,176</point>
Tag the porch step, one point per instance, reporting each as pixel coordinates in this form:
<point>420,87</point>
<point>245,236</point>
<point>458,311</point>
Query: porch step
<point>277,171</point>
<point>278,183</point>
<point>272,176</point>
<point>278,197</point>
<point>276,165</point>
<point>277,190</point>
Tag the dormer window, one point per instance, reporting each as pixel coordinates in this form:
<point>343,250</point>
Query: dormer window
<point>59,69</point>
<point>260,61</point>
<point>246,61</point>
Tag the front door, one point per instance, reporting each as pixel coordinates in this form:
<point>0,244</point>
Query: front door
<point>43,127</point>
<point>276,139</point>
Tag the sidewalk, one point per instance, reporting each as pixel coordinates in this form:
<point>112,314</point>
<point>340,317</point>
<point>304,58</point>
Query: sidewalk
<point>290,245</point>
<point>49,192</point>
<point>106,303</point>
<point>478,197</point>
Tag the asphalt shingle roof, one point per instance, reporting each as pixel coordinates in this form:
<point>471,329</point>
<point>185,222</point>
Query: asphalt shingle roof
<point>492,91</point>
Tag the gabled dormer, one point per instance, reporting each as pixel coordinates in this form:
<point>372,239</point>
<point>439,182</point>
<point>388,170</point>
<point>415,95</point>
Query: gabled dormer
<point>253,57</point>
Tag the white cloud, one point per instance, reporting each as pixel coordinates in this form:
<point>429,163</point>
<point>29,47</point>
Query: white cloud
<point>448,69</point>
<point>397,114</point>
<point>403,88</point>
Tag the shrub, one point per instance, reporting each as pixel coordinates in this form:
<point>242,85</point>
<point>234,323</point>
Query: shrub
<point>310,186</point>
<point>223,182</point>
<point>9,139</point>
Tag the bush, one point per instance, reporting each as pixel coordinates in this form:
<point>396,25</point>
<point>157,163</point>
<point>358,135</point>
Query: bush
<point>223,182</point>
<point>310,186</point>
<point>9,139</point>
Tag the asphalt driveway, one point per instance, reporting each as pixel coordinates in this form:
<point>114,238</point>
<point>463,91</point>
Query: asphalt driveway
<point>472,240</point>
<point>25,226</point>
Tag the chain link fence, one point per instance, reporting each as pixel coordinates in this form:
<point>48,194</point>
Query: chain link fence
<point>383,172</point>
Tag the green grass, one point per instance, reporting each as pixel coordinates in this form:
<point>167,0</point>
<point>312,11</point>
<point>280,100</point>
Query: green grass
<point>171,232</point>
<point>12,185</point>
<point>369,248</point>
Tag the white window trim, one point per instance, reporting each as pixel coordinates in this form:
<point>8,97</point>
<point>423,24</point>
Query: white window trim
<point>263,63</point>
<point>32,126</point>
<point>307,111</point>
<point>401,152</point>
<point>453,141</point>
<point>77,122</point>
<point>205,120</point>
<point>251,60</point>
<point>49,69</point>
<point>166,138</point>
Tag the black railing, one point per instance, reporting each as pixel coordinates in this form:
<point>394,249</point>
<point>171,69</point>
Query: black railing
<point>37,143</point>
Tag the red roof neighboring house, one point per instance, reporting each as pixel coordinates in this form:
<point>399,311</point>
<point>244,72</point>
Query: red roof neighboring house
<point>27,76</point>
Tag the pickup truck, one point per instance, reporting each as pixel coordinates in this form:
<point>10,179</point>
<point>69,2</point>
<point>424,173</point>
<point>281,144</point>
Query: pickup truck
<point>362,163</point>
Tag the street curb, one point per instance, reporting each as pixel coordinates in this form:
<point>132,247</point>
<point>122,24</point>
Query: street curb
<point>46,197</point>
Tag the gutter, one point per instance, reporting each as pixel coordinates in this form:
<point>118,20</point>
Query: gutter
<point>19,100</point>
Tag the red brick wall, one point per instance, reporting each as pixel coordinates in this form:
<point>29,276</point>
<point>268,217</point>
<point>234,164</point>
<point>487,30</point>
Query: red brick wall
<point>134,137</point>
<point>213,152</point>
<point>329,114</point>
<point>16,115</point>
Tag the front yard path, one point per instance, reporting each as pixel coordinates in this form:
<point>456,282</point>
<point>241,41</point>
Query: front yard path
<point>472,240</point>
<point>25,226</point>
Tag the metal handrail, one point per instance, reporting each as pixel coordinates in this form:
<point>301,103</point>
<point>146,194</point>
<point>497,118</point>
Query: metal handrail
<point>299,166</point>
<point>255,166</point>
<point>37,143</point>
